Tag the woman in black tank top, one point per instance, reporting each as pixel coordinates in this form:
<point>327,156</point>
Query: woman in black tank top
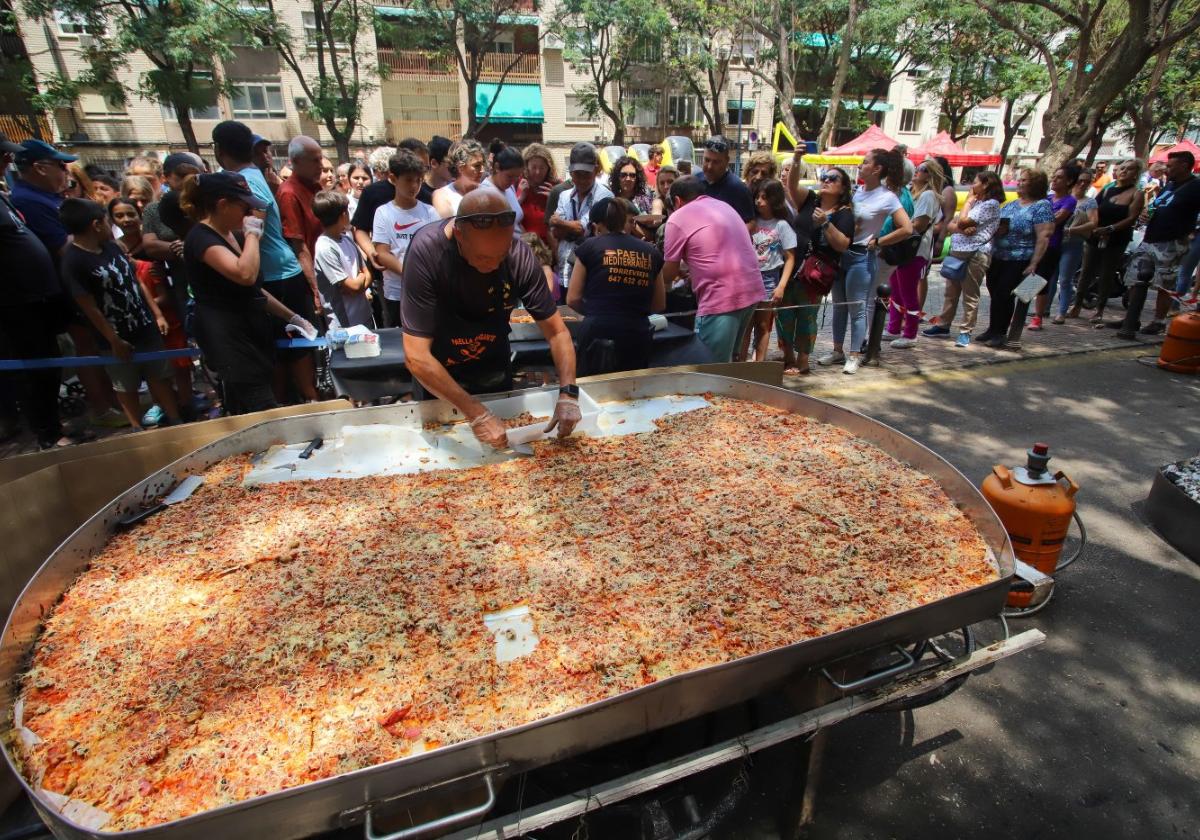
<point>1118,207</point>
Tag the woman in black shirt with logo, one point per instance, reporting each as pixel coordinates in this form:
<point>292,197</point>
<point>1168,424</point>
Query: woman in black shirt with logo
<point>616,283</point>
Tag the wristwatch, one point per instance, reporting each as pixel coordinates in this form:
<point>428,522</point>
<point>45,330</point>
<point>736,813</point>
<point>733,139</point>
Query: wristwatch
<point>571,391</point>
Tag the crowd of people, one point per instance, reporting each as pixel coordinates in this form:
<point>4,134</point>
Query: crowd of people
<point>243,259</point>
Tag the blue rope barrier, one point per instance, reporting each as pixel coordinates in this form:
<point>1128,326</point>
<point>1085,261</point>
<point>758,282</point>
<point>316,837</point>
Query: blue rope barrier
<point>94,361</point>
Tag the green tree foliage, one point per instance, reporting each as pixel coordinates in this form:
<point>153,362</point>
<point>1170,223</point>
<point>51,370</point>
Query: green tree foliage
<point>332,47</point>
<point>185,41</point>
<point>465,32</point>
<point>605,39</point>
<point>698,52</point>
<point>1092,51</point>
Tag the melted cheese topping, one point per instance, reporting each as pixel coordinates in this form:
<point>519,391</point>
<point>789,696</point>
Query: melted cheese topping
<point>252,639</point>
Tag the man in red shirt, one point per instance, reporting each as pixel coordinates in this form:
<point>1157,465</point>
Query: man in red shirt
<point>295,197</point>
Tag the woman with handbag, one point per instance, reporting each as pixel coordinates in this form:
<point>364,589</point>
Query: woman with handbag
<point>905,311</point>
<point>971,233</point>
<point>875,201</point>
<point>824,224</point>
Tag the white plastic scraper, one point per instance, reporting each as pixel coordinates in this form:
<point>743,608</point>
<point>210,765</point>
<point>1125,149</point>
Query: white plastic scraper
<point>513,630</point>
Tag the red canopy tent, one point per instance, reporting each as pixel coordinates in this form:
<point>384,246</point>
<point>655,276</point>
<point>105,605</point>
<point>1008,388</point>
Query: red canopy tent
<point>1181,146</point>
<point>956,155</point>
<point>872,138</point>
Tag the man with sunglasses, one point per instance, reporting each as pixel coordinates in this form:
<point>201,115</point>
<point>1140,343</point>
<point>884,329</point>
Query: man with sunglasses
<point>38,191</point>
<point>461,281</point>
<point>723,185</point>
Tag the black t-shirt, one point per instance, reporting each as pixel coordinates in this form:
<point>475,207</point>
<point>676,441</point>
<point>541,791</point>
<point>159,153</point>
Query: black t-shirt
<point>842,219</point>
<point>620,275</point>
<point>730,189</point>
<point>209,286</point>
<point>373,197</point>
<point>425,196</point>
<point>109,279</point>
<point>29,272</point>
<point>1175,212</point>
<point>439,284</point>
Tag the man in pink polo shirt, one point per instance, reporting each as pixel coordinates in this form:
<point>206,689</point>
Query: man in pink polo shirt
<point>711,238</point>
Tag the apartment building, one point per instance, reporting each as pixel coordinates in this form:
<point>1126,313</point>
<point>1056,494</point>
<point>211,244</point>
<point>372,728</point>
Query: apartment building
<point>421,94</point>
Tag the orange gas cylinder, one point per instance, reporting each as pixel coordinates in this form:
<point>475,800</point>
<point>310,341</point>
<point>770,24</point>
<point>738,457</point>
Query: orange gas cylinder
<point>1181,349</point>
<point>1036,509</point>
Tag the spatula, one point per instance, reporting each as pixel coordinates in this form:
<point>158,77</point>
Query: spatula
<point>182,491</point>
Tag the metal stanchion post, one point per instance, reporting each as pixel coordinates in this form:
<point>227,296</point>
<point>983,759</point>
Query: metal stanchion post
<point>883,299</point>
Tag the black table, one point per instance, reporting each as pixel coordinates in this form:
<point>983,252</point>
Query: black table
<point>385,375</point>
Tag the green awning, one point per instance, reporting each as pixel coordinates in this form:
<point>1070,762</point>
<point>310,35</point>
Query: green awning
<point>848,104</point>
<point>514,103</point>
<point>745,104</point>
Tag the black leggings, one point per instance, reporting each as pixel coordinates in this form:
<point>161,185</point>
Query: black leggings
<point>1002,277</point>
<point>630,348</point>
<point>248,397</point>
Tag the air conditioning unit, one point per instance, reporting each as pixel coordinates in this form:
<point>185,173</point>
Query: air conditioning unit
<point>86,41</point>
<point>301,104</point>
<point>553,42</point>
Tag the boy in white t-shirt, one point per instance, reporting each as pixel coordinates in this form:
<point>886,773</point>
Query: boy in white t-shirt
<point>342,275</point>
<point>397,222</point>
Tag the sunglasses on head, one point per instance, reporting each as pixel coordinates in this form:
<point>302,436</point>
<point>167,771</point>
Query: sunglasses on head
<point>830,178</point>
<point>487,221</point>
<point>719,146</point>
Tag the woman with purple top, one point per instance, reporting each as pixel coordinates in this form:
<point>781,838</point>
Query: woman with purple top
<point>1063,202</point>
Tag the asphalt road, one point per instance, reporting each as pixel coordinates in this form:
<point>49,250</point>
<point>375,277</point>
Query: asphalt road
<point>1096,733</point>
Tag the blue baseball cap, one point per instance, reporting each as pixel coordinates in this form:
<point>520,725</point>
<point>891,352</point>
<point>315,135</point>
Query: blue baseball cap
<point>35,150</point>
<point>257,139</point>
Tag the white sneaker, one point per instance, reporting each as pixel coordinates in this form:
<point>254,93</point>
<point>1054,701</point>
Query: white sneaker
<point>887,336</point>
<point>851,366</point>
<point>834,358</point>
<point>901,343</point>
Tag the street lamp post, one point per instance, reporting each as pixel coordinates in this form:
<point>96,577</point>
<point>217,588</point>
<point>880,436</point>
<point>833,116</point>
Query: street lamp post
<point>737,165</point>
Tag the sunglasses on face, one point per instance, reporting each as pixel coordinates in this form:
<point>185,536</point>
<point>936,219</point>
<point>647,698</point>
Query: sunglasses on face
<point>487,221</point>
<point>719,146</point>
<point>629,175</point>
<point>830,178</point>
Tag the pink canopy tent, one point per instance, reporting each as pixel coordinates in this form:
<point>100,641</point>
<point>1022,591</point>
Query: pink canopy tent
<point>872,138</point>
<point>1181,146</point>
<point>943,146</point>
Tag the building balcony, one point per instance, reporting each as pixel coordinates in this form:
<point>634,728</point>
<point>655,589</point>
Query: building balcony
<point>528,67</point>
<point>16,126</point>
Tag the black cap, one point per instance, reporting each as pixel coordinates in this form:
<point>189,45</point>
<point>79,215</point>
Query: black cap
<point>229,185</point>
<point>178,159</point>
<point>583,158</point>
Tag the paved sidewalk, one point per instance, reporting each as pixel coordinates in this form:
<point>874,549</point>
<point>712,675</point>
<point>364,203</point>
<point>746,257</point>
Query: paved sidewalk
<point>934,354</point>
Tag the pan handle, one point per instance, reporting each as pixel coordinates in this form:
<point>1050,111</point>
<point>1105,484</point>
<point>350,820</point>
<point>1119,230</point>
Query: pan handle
<point>441,823</point>
<point>879,676</point>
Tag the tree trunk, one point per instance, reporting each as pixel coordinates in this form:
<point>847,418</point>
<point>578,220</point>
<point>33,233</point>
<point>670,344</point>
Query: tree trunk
<point>472,121</point>
<point>1094,147</point>
<point>184,115</point>
<point>341,139</point>
<point>825,136</point>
